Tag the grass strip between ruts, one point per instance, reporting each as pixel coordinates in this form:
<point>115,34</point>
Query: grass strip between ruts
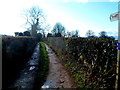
<point>43,66</point>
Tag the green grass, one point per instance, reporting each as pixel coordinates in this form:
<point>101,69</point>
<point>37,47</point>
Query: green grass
<point>44,62</point>
<point>43,66</point>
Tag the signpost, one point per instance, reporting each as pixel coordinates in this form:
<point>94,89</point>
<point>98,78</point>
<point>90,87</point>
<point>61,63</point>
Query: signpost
<point>114,17</point>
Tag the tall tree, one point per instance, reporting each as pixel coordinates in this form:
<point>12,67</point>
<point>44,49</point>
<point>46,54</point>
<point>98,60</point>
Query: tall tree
<point>26,33</point>
<point>90,33</point>
<point>21,34</point>
<point>58,29</point>
<point>34,18</point>
<point>49,35</point>
<point>75,33</point>
<point>103,34</point>
<point>68,34</point>
<point>16,33</point>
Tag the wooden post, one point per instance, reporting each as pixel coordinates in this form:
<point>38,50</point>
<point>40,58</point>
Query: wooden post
<point>117,85</point>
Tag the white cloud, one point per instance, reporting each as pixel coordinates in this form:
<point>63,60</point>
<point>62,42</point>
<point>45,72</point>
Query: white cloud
<point>78,1</point>
<point>114,0</point>
<point>83,1</point>
<point>11,20</point>
<point>71,24</point>
<point>66,0</point>
<point>103,0</point>
<point>112,32</point>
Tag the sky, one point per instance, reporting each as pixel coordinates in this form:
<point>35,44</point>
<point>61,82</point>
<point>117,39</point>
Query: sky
<point>82,15</point>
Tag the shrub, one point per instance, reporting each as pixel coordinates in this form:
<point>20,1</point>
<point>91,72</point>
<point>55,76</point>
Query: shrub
<point>97,57</point>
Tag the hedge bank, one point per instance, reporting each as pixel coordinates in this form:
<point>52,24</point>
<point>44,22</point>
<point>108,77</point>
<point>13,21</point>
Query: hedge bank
<point>15,53</point>
<point>91,61</point>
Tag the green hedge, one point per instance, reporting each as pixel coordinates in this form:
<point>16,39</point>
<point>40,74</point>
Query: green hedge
<point>16,51</point>
<point>92,61</point>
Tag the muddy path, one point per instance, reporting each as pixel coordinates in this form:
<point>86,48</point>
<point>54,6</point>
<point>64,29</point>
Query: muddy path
<point>58,76</point>
<point>26,77</point>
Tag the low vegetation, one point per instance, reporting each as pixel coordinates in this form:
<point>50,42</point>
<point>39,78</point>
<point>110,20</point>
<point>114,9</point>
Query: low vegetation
<point>43,66</point>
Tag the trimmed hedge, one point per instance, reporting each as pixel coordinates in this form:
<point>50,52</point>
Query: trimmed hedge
<point>15,53</point>
<point>92,61</point>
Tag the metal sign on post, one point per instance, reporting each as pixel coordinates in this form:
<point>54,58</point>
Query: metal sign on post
<point>114,17</point>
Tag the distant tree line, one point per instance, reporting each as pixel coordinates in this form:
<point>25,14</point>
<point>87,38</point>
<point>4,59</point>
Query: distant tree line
<point>38,36</point>
<point>36,20</point>
<point>60,31</point>
<point>102,34</point>
<point>25,33</point>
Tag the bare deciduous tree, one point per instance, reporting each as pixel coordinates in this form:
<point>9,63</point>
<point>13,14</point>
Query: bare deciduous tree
<point>59,29</point>
<point>103,34</point>
<point>35,19</point>
<point>90,33</point>
<point>74,33</point>
<point>69,34</point>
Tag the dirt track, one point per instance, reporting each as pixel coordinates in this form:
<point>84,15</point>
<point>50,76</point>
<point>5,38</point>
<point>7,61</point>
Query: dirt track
<point>58,76</point>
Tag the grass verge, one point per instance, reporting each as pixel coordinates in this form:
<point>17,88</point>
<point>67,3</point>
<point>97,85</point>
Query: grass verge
<point>43,67</point>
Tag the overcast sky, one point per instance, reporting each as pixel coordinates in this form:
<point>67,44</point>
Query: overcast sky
<point>83,15</point>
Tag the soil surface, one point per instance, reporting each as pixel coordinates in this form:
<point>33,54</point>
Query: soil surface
<point>58,76</point>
